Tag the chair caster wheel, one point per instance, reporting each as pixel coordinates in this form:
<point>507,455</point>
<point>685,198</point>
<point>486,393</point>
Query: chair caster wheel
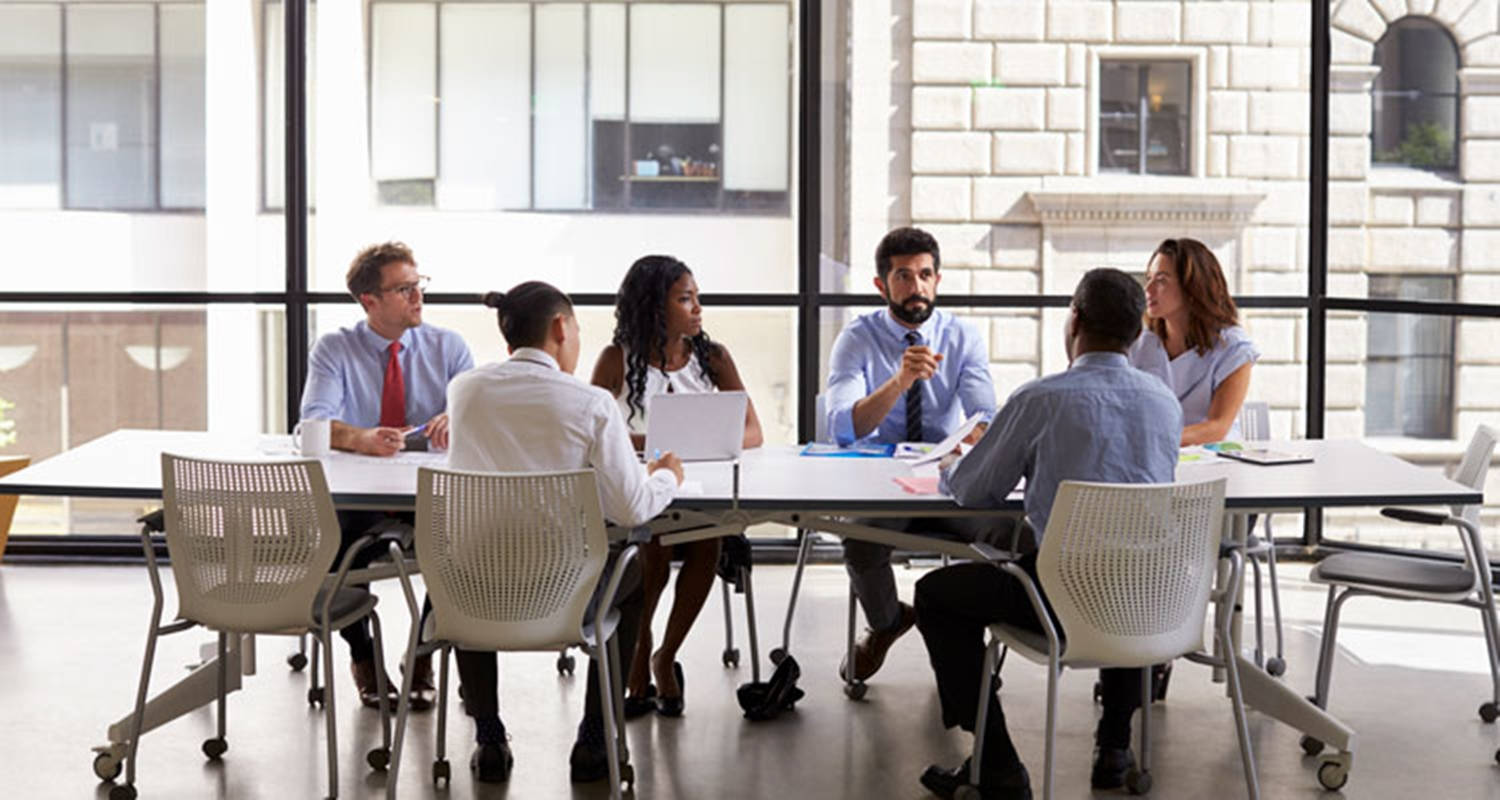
<point>379,759</point>
<point>442,773</point>
<point>777,655</point>
<point>1311,746</point>
<point>1098,693</point>
<point>122,792</point>
<point>967,792</point>
<point>731,658</point>
<point>856,690</point>
<point>1137,782</point>
<point>1275,667</point>
<point>315,697</point>
<point>1333,775</point>
<point>296,661</point>
<point>627,775</point>
<point>566,665</point>
<point>1489,712</point>
<point>106,767</point>
<point>215,748</point>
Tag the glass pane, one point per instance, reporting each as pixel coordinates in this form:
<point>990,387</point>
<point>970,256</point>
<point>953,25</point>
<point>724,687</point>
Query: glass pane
<point>1119,116</point>
<point>1415,99</point>
<point>1168,118</point>
<point>572,138</point>
<point>111,89</point>
<point>30,106</point>
<point>70,375</point>
<point>182,106</point>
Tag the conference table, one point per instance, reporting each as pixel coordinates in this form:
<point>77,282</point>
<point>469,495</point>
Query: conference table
<point>770,484</point>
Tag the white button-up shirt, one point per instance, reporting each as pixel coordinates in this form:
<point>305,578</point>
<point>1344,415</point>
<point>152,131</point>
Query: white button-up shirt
<point>527,415</point>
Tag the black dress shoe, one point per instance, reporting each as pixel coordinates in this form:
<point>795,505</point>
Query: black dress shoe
<point>491,763</point>
<point>588,763</point>
<point>1013,784</point>
<point>642,704</point>
<point>1110,766</point>
<point>673,706</point>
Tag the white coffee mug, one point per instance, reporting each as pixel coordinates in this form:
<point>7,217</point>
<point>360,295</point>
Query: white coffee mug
<point>314,437</point>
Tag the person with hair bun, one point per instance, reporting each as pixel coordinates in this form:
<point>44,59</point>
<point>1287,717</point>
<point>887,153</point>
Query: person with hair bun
<point>659,346</point>
<point>1193,340</point>
<point>527,414</point>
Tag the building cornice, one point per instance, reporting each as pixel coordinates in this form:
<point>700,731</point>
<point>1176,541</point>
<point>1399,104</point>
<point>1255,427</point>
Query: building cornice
<point>1169,202</point>
<point>1352,78</point>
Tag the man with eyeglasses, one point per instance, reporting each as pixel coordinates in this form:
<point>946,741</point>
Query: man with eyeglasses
<point>375,382</point>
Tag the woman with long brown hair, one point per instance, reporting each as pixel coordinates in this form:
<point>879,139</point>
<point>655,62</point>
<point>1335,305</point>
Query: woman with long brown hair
<point>1193,340</point>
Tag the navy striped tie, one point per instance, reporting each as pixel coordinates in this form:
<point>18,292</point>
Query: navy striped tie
<point>914,399</point>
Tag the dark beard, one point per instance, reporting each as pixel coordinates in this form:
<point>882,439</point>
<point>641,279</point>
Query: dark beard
<point>912,313</point>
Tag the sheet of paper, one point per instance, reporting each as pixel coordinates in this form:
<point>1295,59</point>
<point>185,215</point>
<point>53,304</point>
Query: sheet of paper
<point>949,444</point>
<point>918,484</point>
<point>690,489</point>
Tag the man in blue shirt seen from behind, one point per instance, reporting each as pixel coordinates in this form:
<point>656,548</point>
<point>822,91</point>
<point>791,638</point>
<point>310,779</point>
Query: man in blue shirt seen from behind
<point>375,382</point>
<point>905,373</point>
<point>1100,420</point>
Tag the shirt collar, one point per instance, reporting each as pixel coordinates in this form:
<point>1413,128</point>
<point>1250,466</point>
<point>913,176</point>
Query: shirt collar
<point>380,343</point>
<point>536,356</point>
<point>1098,358</point>
<point>927,331</point>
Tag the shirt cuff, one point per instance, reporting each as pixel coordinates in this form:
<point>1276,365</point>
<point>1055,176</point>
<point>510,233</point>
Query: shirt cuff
<point>841,425</point>
<point>943,486</point>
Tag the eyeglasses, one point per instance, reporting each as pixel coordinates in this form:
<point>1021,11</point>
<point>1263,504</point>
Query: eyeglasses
<point>409,290</point>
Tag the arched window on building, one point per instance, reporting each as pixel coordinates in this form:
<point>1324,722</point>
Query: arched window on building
<point>1415,98</point>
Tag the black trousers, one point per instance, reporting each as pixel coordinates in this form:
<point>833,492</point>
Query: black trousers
<point>479,671</point>
<point>955,605</point>
<point>353,525</point>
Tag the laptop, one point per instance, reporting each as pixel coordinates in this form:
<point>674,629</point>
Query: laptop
<point>707,426</point>
<point>1264,457</point>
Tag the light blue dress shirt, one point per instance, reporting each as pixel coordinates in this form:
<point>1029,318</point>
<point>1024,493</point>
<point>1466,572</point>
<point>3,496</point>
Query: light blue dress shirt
<point>1100,420</point>
<point>868,352</point>
<point>346,373</point>
<point>1194,377</point>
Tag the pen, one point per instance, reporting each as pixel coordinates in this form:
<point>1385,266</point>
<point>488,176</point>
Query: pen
<point>656,454</point>
<point>416,430</point>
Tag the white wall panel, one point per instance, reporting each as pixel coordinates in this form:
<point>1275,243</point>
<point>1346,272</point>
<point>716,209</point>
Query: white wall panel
<point>757,86</point>
<point>486,107</point>
<point>403,77</point>
<point>561,128</point>
<point>674,63</point>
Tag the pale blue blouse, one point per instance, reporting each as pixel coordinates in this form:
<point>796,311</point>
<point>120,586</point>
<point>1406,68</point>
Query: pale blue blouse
<point>1194,377</point>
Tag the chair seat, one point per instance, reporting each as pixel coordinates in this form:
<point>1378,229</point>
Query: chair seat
<point>1394,572</point>
<point>346,602</point>
<point>1031,645</point>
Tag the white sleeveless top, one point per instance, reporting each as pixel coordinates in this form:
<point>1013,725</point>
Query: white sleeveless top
<point>687,380</point>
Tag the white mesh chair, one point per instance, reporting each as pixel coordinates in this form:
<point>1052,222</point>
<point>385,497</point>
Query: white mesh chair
<point>1467,583</point>
<point>1129,571</point>
<point>511,562</point>
<point>251,546</point>
<point>1255,426</point>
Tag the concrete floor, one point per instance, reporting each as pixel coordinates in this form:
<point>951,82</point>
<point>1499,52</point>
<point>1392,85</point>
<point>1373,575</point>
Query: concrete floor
<point>1409,680</point>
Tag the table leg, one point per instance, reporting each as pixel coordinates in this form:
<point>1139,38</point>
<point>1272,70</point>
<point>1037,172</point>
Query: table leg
<point>198,689</point>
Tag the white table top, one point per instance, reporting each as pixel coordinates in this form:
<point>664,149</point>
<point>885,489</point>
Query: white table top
<point>126,463</point>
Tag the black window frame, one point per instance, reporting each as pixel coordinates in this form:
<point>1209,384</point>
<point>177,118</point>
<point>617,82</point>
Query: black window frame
<point>810,299</point>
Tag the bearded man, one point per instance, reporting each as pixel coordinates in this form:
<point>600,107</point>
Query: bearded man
<point>906,373</point>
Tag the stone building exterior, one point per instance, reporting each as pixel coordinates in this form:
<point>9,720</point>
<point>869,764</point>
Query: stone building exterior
<point>1007,102</point>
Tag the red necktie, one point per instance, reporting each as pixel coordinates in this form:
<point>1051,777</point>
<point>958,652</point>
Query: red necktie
<point>393,396</point>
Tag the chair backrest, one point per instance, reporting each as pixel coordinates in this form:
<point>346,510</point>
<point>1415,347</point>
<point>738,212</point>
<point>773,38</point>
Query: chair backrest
<point>251,542</point>
<point>1474,467</point>
<point>1128,568</point>
<point>1255,421</point>
<point>510,559</point>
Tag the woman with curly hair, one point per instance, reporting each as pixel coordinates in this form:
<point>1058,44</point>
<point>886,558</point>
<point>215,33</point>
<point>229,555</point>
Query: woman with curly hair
<point>1193,340</point>
<point>659,346</point>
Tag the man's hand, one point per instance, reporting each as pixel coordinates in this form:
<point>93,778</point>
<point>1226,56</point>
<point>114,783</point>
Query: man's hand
<point>379,441</point>
<point>976,434</point>
<point>918,363</point>
<point>668,460</point>
<point>437,431</point>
